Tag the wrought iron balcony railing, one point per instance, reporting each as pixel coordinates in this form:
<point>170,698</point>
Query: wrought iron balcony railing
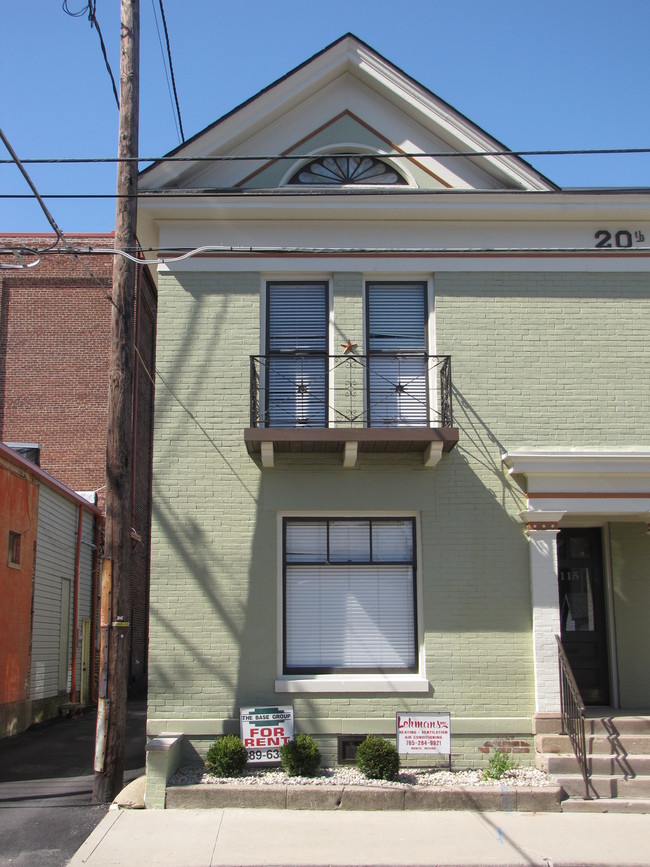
<point>387,389</point>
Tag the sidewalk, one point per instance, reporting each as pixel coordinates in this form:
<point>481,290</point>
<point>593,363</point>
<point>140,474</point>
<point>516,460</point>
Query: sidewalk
<point>203,838</point>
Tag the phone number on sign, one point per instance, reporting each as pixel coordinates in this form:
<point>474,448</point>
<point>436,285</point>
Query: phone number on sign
<point>263,755</point>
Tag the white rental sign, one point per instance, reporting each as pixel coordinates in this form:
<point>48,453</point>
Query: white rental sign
<point>423,733</point>
<point>264,730</point>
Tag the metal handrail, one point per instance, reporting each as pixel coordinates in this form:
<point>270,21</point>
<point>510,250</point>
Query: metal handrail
<point>573,714</point>
<point>312,389</point>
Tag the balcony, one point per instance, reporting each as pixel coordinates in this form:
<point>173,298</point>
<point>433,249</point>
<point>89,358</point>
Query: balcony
<point>382,403</point>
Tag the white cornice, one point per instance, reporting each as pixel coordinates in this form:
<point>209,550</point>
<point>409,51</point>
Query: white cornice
<point>579,461</point>
<point>443,204</point>
<point>604,484</point>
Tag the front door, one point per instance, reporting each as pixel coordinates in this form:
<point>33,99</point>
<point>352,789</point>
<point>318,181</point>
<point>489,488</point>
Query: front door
<point>582,610</point>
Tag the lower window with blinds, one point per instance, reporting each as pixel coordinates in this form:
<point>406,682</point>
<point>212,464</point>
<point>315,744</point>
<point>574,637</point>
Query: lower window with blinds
<point>349,595</point>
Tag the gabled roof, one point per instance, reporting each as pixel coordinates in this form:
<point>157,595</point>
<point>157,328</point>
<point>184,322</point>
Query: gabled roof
<point>345,98</point>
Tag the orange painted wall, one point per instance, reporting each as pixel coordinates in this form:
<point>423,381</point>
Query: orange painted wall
<point>18,513</point>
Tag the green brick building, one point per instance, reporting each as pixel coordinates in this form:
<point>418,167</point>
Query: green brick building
<point>402,422</point>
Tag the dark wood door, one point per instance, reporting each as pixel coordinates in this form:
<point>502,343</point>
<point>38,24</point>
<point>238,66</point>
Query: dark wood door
<point>582,610</point>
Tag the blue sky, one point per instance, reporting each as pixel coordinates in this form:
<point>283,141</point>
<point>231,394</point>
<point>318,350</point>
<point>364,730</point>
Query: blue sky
<point>572,74</point>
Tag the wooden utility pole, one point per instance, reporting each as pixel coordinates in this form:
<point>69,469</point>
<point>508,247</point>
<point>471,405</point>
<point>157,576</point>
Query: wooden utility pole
<point>114,626</point>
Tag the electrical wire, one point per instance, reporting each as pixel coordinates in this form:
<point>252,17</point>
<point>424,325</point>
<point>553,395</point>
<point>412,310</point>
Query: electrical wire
<point>90,8</point>
<point>162,51</point>
<point>19,253</point>
<point>16,160</point>
<point>60,237</point>
<point>294,156</point>
<point>171,68</point>
<point>235,251</point>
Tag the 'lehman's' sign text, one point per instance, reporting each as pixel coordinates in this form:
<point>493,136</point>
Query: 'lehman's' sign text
<point>423,733</point>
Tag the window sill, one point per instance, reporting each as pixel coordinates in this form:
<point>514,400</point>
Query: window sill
<point>327,683</point>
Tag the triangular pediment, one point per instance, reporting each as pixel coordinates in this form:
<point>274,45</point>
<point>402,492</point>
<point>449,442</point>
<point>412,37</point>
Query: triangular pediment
<point>346,100</point>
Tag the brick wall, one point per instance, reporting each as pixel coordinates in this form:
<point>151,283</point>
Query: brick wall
<point>536,359</point>
<point>55,323</point>
<point>54,350</point>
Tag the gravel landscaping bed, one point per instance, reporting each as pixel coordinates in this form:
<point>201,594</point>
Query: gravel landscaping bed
<point>529,777</point>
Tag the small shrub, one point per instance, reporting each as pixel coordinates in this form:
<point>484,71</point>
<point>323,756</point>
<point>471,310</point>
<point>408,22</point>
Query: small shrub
<point>377,759</point>
<point>499,763</point>
<point>301,756</point>
<point>226,757</point>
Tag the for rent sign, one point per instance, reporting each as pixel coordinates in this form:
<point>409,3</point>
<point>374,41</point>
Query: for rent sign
<point>423,733</point>
<point>264,730</point>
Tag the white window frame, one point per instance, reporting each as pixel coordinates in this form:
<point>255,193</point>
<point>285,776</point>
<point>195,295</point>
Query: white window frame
<point>298,277</point>
<point>430,324</point>
<point>408,682</point>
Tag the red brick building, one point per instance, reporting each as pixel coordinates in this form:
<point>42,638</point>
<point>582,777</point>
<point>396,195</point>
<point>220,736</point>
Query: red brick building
<point>55,322</point>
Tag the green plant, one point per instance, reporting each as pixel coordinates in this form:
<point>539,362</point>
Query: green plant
<point>301,756</point>
<point>226,757</point>
<point>498,764</point>
<point>377,758</point>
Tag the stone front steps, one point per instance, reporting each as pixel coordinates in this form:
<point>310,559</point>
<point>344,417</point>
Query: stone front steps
<point>618,748</point>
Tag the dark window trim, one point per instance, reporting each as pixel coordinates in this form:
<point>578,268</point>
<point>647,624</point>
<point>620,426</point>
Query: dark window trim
<point>344,744</point>
<point>298,670</point>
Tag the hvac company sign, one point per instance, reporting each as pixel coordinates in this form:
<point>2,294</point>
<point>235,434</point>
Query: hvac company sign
<point>264,730</point>
<point>423,733</point>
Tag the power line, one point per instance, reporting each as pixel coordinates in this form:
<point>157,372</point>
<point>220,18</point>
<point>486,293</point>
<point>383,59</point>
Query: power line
<point>298,156</point>
<point>92,17</point>
<point>60,237</point>
<point>177,254</point>
<point>16,160</point>
<point>171,69</point>
<point>162,51</point>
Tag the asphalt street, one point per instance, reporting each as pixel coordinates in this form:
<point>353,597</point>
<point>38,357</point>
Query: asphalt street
<point>46,780</point>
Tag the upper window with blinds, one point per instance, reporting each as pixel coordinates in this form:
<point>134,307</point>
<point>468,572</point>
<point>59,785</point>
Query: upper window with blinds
<point>396,324</point>
<point>296,364</point>
<point>397,314</point>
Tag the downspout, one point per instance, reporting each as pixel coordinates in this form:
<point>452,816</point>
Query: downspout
<point>75,606</point>
<point>93,614</point>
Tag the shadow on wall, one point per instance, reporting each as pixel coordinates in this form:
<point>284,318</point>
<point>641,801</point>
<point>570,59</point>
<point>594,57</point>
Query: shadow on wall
<point>214,605</point>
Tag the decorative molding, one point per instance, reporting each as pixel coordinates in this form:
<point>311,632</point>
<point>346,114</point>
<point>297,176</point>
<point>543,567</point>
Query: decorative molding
<point>595,482</point>
<point>547,495</point>
<point>266,452</point>
<point>332,170</point>
<point>350,454</point>
<point>432,454</point>
<point>542,520</point>
<point>536,525</point>
<point>391,145</point>
<point>576,461</point>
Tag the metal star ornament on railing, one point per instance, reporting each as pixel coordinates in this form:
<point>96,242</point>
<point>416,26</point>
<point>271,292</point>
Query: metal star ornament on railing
<point>348,346</point>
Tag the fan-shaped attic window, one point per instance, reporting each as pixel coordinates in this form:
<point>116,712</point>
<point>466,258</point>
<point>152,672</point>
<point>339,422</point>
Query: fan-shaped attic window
<point>340,170</point>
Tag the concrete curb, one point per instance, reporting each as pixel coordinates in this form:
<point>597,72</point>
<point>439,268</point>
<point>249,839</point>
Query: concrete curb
<point>546,799</point>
